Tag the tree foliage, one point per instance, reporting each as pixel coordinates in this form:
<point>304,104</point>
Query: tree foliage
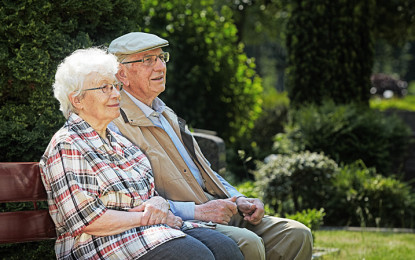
<point>394,20</point>
<point>211,82</point>
<point>330,48</point>
<point>348,133</point>
<point>35,36</point>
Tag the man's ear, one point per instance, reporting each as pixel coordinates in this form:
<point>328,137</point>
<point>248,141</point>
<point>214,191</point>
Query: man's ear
<point>122,75</point>
<point>75,101</point>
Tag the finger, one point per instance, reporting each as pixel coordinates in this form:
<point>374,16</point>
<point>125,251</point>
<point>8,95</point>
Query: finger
<point>139,208</point>
<point>226,220</point>
<point>247,208</point>
<point>229,212</point>
<point>251,209</point>
<point>179,223</point>
<point>233,199</point>
<point>145,219</point>
<point>155,218</point>
<point>163,220</point>
<point>256,217</point>
<point>232,207</point>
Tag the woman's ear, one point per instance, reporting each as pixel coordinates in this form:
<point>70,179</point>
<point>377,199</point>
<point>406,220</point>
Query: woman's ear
<point>122,75</point>
<point>75,101</point>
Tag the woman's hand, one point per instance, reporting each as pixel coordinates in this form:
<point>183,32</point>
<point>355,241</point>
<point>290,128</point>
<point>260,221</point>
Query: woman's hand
<point>173,221</point>
<point>155,211</point>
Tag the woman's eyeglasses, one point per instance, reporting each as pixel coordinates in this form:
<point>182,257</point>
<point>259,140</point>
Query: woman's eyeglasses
<point>108,88</point>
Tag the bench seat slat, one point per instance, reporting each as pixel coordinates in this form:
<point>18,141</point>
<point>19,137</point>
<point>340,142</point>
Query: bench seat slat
<point>38,225</point>
<point>21,182</point>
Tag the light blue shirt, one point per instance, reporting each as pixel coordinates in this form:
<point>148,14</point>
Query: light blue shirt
<point>185,210</point>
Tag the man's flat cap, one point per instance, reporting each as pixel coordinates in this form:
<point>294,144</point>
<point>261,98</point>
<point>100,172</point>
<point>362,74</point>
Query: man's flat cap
<point>136,42</point>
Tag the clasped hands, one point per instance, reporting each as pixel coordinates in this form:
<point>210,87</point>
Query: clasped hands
<point>221,210</point>
<point>156,211</point>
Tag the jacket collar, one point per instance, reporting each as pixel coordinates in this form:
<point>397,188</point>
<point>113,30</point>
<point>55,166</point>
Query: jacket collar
<point>133,115</point>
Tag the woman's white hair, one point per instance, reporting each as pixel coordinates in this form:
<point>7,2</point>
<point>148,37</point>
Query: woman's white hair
<point>72,72</point>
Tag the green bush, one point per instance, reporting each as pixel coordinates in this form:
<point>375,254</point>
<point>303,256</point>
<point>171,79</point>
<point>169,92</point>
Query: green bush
<point>28,251</point>
<point>270,122</point>
<point>241,161</point>
<point>312,218</point>
<point>35,37</point>
<point>290,183</point>
<point>248,189</point>
<point>351,195</point>
<point>348,133</point>
<point>363,198</point>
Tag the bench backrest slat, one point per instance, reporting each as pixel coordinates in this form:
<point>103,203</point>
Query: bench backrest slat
<point>20,182</point>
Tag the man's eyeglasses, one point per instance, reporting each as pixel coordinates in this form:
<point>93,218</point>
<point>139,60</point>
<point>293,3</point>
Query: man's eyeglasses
<point>108,88</point>
<point>149,60</point>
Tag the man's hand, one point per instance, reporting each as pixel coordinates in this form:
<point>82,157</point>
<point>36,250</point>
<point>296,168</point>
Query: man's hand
<point>251,209</point>
<point>218,211</point>
<point>155,211</point>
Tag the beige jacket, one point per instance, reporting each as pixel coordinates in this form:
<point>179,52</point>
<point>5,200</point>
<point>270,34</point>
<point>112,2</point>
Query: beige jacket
<point>173,179</point>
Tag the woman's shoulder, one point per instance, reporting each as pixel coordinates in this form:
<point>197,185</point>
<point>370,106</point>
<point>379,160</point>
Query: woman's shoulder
<point>64,135</point>
<point>64,138</point>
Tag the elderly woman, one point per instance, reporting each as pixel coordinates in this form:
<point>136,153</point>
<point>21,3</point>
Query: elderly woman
<point>100,186</point>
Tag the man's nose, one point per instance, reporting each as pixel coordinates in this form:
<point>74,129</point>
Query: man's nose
<point>160,64</point>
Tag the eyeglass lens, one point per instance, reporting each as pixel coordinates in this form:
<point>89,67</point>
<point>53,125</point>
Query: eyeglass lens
<point>110,87</point>
<point>151,59</point>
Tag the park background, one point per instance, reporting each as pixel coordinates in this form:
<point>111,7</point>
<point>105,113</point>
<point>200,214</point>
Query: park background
<point>313,98</point>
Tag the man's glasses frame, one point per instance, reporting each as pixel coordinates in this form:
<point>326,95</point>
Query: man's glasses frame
<point>108,88</point>
<point>151,59</point>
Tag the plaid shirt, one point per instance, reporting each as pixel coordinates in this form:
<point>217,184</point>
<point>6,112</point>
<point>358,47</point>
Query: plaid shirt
<point>84,177</point>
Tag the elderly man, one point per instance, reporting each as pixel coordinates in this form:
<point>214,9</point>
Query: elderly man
<point>182,174</point>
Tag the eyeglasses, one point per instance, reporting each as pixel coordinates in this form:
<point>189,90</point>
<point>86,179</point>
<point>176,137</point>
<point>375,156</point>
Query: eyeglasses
<point>149,60</point>
<point>108,88</point>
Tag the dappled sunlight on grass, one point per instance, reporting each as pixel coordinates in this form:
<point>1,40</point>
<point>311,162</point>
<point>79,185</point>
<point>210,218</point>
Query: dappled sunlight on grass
<point>367,245</point>
<point>407,103</point>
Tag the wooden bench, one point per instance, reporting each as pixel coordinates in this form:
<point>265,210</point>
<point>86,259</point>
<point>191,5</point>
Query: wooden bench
<point>20,182</point>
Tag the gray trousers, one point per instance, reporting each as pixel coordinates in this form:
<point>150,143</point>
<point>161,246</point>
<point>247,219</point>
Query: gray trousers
<point>274,238</point>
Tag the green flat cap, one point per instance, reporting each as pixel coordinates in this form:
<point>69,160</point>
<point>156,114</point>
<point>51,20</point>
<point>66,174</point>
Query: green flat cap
<point>136,42</point>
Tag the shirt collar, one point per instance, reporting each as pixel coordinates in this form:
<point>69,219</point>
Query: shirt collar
<point>87,133</point>
<point>158,106</point>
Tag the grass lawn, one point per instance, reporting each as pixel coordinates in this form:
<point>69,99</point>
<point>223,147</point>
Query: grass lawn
<point>367,245</point>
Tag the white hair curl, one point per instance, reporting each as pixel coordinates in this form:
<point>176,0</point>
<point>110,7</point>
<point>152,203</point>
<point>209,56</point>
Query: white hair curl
<point>74,69</point>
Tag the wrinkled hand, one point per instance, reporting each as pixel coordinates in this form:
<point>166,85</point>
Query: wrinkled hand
<point>173,221</point>
<point>251,209</point>
<point>155,211</point>
<point>218,211</point>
